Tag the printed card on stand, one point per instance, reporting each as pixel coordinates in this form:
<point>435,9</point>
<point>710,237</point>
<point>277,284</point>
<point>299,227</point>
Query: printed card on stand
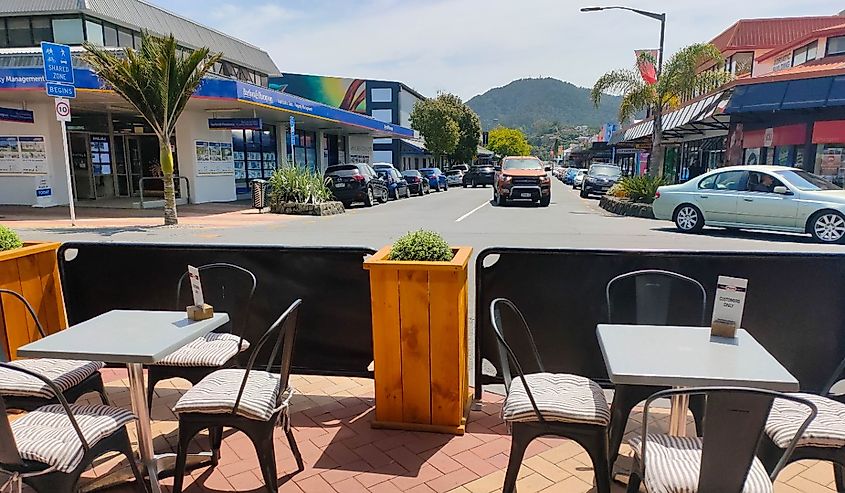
<point>728,307</point>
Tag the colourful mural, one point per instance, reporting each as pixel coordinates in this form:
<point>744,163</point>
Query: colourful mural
<point>346,94</point>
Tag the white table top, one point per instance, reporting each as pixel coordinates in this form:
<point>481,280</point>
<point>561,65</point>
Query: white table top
<point>688,357</point>
<point>124,336</point>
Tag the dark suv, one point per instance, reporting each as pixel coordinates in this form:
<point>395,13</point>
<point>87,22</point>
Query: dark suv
<point>356,182</point>
<point>600,178</point>
<point>483,175</point>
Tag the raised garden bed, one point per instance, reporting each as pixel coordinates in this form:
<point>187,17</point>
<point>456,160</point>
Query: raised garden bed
<point>625,207</point>
<point>324,209</point>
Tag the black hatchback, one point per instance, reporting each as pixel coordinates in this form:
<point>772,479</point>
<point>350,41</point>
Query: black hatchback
<point>417,183</point>
<point>479,175</point>
<point>356,182</point>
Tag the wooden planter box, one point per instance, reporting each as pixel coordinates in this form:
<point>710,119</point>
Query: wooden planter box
<point>420,342</point>
<point>32,271</point>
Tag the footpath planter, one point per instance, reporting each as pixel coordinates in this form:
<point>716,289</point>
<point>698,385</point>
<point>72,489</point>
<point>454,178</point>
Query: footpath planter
<point>625,207</point>
<point>33,271</point>
<point>419,314</point>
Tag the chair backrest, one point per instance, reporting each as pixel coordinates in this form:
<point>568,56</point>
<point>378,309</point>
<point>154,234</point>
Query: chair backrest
<point>734,420</point>
<point>655,297</point>
<point>834,378</point>
<point>28,307</point>
<point>282,333</point>
<point>503,307</point>
<point>9,454</point>
<point>228,288</point>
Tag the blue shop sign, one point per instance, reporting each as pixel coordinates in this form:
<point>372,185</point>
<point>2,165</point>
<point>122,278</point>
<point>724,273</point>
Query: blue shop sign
<point>58,66</point>
<point>235,123</point>
<point>15,115</point>
<point>60,90</point>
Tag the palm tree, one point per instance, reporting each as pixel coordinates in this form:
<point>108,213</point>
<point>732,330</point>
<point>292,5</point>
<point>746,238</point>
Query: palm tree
<point>679,80</point>
<point>158,79</point>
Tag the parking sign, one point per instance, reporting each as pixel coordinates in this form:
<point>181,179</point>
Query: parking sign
<point>58,66</point>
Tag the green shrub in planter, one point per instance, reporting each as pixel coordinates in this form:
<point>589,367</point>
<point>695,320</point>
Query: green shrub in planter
<point>640,188</point>
<point>298,185</point>
<point>9,240</point>
<point>421,246</point>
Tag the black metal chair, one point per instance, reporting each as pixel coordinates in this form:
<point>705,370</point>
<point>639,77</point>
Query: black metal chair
<point>723,460</point>
<point>650,297</point>
<point>541,403</point>
<point>229,288</point>
<point>73,378</point>
<point>249,400</point>
<point>50,447</point>
<point>824,438</point>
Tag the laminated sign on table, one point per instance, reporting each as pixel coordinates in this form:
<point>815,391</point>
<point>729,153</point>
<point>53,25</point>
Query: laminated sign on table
<point>728,307</point>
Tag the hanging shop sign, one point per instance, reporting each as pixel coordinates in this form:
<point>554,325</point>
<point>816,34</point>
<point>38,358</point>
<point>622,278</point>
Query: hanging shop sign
<point>235,123</point>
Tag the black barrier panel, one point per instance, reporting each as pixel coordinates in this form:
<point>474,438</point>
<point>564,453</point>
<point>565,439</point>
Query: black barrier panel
<point>794,307</point>
<point>335,326</point>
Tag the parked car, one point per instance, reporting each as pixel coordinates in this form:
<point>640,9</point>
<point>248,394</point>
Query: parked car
<point>775,198</point>
<point>454,177</point>
<point>599,179</point>
<point>522,178</point>
<point>417,183</point>
<point>436,178</point>
<point>356,182</point>
<point>578,178</point>
<point>462,167</point>
<point>397,187</point>
<point>569,175</point>
<point>482,174</point>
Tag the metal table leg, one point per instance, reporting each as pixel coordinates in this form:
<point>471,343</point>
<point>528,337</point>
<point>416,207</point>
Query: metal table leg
<point>678,415</point>
<point>137,393</point>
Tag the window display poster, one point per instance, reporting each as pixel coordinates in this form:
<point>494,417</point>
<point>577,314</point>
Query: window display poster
<point>23,155</point>
<point>214,158</point>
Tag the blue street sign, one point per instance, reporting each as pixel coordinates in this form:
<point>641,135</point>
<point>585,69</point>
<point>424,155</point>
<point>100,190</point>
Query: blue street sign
<point>58,66</point>
<point>60,90</point>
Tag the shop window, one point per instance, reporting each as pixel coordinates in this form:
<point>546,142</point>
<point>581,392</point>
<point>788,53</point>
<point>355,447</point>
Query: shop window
<point>110,35</point>
<point>17,29</point>
<point>383,115</point>
<point>4,42</point>
<point>742,63</point>
<point>124,38</point>
<point>94,32</point>
<point>804,54</point>
<point>68,31</point>
<point>836,45</point>
<point>381,95</point>
<point>830,162</point>
<point>41,30</point>
<point>136,40</point>
<point>752,156</point>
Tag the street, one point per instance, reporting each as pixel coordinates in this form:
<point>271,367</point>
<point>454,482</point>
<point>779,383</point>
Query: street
<point>462,216</point>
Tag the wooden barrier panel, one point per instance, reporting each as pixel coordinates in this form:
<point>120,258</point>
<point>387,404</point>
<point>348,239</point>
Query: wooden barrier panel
<point>33,272</point>
<point>420,343</point>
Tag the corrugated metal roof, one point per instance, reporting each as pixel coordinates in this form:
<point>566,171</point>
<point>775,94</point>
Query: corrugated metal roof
<point>141,15</point>
<point>770,33</point>
<point>695,111</point>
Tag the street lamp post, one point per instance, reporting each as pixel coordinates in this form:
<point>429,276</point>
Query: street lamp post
<point>657,136</point>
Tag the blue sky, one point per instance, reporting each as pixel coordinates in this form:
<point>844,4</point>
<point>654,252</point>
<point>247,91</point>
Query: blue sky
<point>469,46</point>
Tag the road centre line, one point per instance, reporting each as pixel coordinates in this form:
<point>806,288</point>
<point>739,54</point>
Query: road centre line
<point>470,212</point>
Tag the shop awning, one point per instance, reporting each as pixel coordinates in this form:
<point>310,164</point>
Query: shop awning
<point>821,92</point>
<point>693,118</point>
<point>217,88</point>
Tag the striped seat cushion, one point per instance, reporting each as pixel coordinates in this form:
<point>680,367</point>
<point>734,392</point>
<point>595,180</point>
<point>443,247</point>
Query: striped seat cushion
<point>216,394</point>
<point>559,397</point>
<point>64,373</point>
<point>47,436</point>
<point>213,349</point>
<point>826,430</point>
<point>672,465</point>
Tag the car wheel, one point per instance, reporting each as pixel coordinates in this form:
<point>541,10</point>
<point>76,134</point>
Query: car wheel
<point>385,196</point>
<point>584,193</point>
<point>498,199</point>
<point>438,187</point>
<point>828,227</point>
<point>370,199</point>
<point>346,205</point>
<point>545,201</point>
<point>396,193</point>
<point>688,219</point>
<point>407,192</point>
<point>465,185</point>
<point>446,187</point>
<point>474,184</point>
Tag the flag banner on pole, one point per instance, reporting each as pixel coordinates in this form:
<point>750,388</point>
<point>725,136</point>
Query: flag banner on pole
<point>646,65</point>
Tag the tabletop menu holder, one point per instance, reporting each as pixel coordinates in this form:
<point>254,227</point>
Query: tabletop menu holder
<point>200,310</point>
<point>728,306</point>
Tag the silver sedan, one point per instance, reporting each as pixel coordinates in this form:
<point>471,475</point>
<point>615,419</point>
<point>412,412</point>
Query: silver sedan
<point>775,198</point>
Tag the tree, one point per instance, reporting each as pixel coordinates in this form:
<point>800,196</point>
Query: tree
<point>508,142</point>
<point>679,81</point>
<point>433,118</point>
<point>469,128</point>
<point>158,81</point>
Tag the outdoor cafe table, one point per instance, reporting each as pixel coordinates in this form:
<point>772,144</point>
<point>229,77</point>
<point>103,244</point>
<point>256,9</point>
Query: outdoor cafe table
<point>688,357</point>
<point>133,338</point>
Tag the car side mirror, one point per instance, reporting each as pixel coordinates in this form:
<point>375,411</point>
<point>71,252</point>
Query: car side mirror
<point>782,190</point>
<point>548,168</point>
<point>497,168</point>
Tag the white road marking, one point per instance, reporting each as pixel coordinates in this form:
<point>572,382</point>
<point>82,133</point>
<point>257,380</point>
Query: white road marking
<point>470,212</point>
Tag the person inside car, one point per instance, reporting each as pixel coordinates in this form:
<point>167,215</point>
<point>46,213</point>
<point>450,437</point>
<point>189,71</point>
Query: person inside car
<point>765,183</point>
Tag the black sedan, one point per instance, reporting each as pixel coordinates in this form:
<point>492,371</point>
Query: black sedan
<point>417,183</point>
<point>479,175</point>
<point>356,182</point>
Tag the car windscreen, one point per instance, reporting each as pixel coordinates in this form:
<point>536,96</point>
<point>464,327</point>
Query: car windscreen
<point>453,173</point>
<point>411,173</point>
<point>342,170</point>
<point>609,171</point>
<point>427,172</point>
<point>526,163</point>
<point>803,180</point>
<point>483,169</point>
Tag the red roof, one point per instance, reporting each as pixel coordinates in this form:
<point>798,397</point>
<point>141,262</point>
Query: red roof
<point>757,34</point>
<point>827,32</point>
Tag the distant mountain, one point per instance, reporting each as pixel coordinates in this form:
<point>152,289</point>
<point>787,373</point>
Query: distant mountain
<point>530,103</point>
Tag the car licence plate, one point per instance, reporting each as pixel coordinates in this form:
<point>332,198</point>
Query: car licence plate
<point>340,185</point>
<point>525,195</point>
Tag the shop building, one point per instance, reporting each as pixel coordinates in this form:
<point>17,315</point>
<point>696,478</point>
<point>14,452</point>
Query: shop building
<point>387,101</point>
<point>114,154</point>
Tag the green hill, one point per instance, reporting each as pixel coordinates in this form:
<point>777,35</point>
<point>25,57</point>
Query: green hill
<point>536,103</point>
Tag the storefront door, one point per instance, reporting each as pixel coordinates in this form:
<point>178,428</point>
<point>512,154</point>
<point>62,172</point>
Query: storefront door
<point>81,164</point>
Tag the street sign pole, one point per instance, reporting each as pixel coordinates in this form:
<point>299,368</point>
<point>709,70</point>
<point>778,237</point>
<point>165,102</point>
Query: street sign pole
<point>67,173</point>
